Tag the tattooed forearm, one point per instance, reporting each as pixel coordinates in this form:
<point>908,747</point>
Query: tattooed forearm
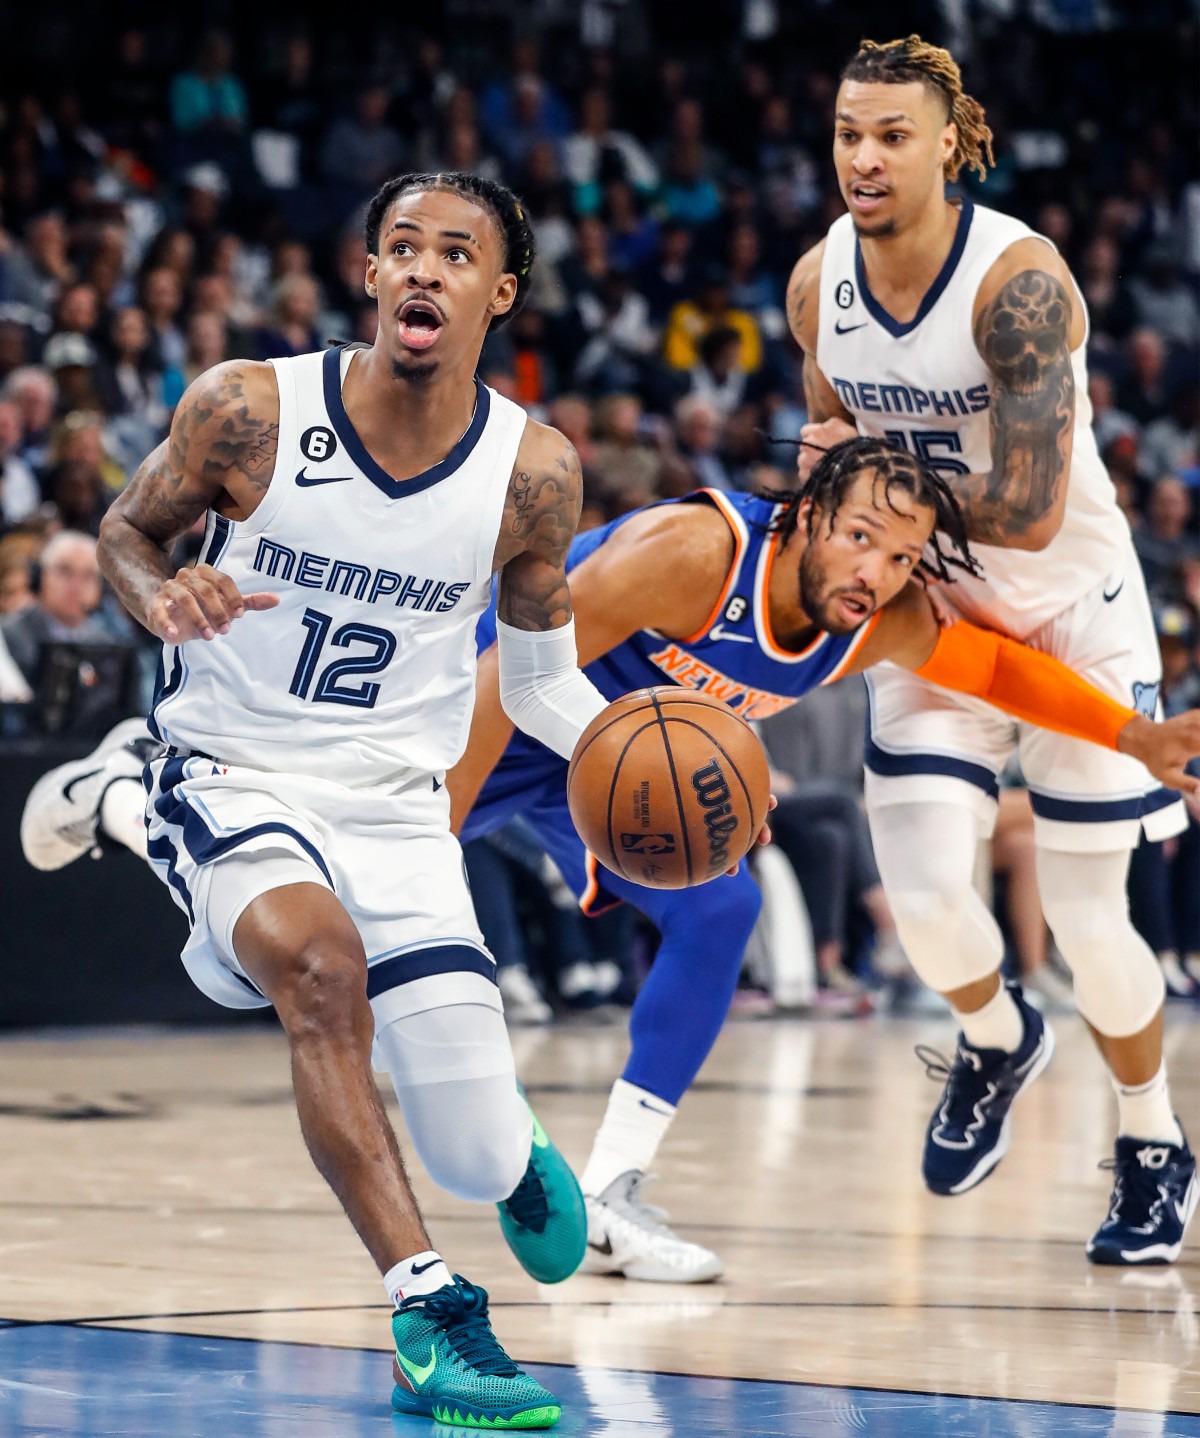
<point>217,447</point>
<point>544,506</point>
<point>1024,337</point>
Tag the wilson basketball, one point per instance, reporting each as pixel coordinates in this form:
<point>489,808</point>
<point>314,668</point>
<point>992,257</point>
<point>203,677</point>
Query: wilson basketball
<point>668,787</point>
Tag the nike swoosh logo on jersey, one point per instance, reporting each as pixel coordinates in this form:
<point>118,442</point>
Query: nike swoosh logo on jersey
<point>1108,598</point>
<point>78,779</point>
<point>416,1371</point>
<point>307,481</point>
<point>847,329</point>
<point>718,632</point>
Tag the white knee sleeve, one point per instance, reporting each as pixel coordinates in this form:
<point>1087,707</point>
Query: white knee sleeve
<point>926,856</point>
<point>453,1072</point>
<point>1118,983</point>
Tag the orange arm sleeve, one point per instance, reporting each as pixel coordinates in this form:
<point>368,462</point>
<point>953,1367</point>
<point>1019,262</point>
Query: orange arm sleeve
<point>1025,682</point>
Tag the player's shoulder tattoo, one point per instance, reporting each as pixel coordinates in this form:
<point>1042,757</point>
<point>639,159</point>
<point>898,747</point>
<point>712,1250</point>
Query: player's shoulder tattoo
<point>227,425</point>
<point>1024,337</point>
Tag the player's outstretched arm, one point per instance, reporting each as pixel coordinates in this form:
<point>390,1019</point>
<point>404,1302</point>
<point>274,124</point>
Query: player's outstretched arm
<point>1025,326</point>
<point>1028,684</point>
<point>221,446</point>
<point>663,569</point>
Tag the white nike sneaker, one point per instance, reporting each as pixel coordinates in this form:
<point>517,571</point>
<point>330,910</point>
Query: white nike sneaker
<point>523,1004</point>
<point>59,820</point>
<point>631,1238</point>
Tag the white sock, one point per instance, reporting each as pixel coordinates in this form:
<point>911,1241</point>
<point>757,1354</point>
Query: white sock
<point>1144,1111</point>
<point>123,814</point>
<point>422,1273</point>
<point>998,1025</point>
<point>634,1125</point>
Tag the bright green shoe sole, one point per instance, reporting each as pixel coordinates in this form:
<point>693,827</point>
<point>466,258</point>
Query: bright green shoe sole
<point>462,1415</point>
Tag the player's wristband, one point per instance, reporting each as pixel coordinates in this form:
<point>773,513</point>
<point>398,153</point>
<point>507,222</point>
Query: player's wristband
<point>1024,682</point>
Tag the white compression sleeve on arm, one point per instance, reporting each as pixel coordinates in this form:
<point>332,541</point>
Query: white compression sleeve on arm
<point>541,687</point>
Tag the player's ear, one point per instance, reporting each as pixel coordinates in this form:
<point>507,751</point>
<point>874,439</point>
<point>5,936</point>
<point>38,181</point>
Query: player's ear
<point>948,142</point>
<point>369,283</point>
<point>504,296</point>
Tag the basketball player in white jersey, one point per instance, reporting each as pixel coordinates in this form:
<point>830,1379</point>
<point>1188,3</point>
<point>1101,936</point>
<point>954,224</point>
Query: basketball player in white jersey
<point>317,679</point>
<point>958,333</point>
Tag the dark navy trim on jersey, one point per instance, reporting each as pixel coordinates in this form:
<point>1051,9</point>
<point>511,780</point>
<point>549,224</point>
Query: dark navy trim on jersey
<point>889,765</point>
<point>1101,811</point>
<point>390,972</point>
<point>218,540</point>
<point>893,326</point>
<point>162,850</point>
<point>397,488</point>
<point>164,688</point>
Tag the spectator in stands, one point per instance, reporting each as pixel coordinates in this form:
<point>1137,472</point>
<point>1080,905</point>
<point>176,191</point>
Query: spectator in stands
<point>597,155</point>
<point>71,359</point>
<point>128,377</point>
<point>209,99</point>
<point>519,108</point>
<point>1108,421</point>
<point>41,267</point>
<point>1144,393</point>
<point>691,320</point>
<point>19,492</point>
<point>1110,307</point>
<point>14,347</point>
<point>362,149</point>
<point>1161,300</point>
<point>207,344</point>
<point>15,591</point>
<point>633,235</point>
<point>1171,443</point>
<point>76,489</point>
<point>615,338</point>
<point>698,434</point>
<point>295,305</point>
<point>162,300</point>
<point>77,311</point>
<point>1163,543</point>
<point>717,378</point>
<point>625,472</point>
<point>68,601</point>
<point>81,435</point>
<point>33,391</point>
<point>571,415</point>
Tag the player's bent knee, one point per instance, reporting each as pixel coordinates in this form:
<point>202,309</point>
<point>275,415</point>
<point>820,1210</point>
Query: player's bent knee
<point>321,989</point>
<point>473,1136</point>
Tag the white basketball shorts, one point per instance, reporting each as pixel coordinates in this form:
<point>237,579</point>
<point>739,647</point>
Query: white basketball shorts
<point>388,856</point>
<point>929,744</point>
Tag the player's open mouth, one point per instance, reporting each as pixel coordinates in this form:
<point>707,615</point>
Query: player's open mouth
<point>867,197</point>
<point>418,324</point>
<point>854,610</point>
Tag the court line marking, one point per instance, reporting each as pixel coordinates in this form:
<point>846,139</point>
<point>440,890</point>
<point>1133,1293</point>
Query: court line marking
<point>106,1326</point>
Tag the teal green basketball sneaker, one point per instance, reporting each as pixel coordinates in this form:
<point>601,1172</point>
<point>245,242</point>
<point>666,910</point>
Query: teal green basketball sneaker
<point>544,1220</point>
<point>448,1365</point>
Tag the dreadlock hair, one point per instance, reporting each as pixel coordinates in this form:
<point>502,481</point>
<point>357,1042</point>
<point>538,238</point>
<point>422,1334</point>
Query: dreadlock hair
<point>833,477</point>
<point>507,212</point>
<point>900,62</point>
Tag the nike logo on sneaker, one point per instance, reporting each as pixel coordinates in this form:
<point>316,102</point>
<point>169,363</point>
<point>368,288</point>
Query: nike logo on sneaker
<point>605,1248</point>
<point>539,1133</point>
<point>308,481</point>
<point>425,1267</point>
<point>1108,598</point>
<point>718,632</point>
<point>839,329</point>
<point>418,1372</point>
<point>78,779</point>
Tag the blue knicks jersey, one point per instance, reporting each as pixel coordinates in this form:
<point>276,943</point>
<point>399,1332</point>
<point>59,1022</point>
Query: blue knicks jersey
<point>734,657</point>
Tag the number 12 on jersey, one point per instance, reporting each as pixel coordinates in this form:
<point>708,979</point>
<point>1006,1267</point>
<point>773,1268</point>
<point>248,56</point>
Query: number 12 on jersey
<point>329,687</point>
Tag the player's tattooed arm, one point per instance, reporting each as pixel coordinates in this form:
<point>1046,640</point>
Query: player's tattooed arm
<point>1024,334</point>
<point>540,518</point>
<point>219,455</point>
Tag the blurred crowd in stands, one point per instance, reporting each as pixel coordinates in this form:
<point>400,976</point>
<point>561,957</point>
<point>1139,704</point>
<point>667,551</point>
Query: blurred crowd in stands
<point>171,200</point>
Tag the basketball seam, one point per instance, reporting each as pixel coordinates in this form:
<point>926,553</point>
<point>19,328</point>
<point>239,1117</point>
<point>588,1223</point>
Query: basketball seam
<point>683,827</point>
<point>608,822</point>
<point>604,728</point>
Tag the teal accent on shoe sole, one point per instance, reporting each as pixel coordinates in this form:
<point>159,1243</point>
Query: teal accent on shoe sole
<point>555,1253</point>
<point>463,1415</point>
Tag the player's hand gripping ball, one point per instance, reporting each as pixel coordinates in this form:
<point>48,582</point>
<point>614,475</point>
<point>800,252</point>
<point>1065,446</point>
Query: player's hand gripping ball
<point>668,788</point>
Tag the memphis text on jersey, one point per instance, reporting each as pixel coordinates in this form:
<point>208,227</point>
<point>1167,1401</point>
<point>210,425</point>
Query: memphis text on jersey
<point>907,399</point>
<point>344,577</point>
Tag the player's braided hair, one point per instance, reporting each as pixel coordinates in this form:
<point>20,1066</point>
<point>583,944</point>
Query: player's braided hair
<point>833,476</point>
<point>506,210</point>
<point>900,62</point>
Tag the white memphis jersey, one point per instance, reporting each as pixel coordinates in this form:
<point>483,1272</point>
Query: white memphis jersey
<point>925,386</point>
<point>366,668</point>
